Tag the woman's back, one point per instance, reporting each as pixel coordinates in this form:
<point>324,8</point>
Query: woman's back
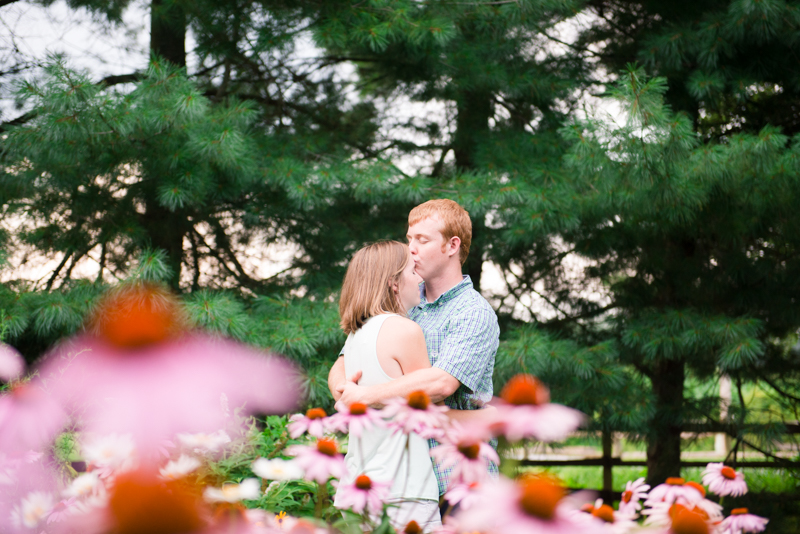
<point>402,460</point>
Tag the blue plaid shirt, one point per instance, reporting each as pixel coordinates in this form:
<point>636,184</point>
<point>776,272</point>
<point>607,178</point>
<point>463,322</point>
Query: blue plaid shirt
<point>462,335</point>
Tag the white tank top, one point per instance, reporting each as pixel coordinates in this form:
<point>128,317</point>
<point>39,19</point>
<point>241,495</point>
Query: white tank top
<point>380,454</point>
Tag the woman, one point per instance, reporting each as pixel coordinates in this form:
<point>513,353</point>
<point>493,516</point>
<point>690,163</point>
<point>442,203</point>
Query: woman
<point>379,287</point>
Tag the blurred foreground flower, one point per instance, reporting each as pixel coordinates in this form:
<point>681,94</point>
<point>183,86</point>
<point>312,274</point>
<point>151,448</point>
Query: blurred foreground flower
<point>530,504</point>
<point>248,489</point>
<point>29,419</point>
<point>465,454</point>
<point>741,520</point>
<point>723,480</point>
<point>355,419</point>
<point>314,422</point>
<point>363,494</point>
<point>319,461</point>
<point>12,365</point>
<point>416,414</point>
<point>142,372</point>
<point>277,469</point>
<point>634,492</point>
<point>526,412</point>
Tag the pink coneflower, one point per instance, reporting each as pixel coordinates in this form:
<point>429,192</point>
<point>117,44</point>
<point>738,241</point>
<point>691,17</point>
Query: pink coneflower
<point>355,419</point>
<point>29,418</point>
<point>320,461</point>
<point>416,414</point>
<point>711,509</point>
<point>741,521</point>
<point>12,365</point>
<point>139,344</point>
<point>531,504</point>
<point>723,480</point>
<point>362,494</point>
<point>670,491</point>
<point>604,516</point>
<point>634,492</point>
<point>665,514</point>
<point>314,422</point>
<point>465,454</point>
<point>528,414</point>
<point>61,511</point>
<point>464,495</point>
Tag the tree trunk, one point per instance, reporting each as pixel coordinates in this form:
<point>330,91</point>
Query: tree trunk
<point>664,437</point>
<point>168,31</point>
<point>474,108</point>
<point>166,230</point>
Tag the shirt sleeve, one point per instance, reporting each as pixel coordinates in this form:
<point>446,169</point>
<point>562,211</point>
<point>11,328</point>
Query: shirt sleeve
<point>469,346</point>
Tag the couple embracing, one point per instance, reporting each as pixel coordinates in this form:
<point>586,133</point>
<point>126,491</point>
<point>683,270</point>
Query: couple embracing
<point>414,323</point>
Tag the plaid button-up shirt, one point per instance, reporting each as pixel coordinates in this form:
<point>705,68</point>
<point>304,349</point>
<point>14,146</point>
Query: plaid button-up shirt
<point>462,335</point>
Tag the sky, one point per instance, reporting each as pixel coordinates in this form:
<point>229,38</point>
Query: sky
<point>35,31</point>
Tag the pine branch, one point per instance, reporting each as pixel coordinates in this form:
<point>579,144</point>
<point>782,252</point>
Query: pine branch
<point>782,392</point>
<point>57,270</point>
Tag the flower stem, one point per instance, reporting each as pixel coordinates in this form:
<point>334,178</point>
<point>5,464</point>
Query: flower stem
<point>322,496</point>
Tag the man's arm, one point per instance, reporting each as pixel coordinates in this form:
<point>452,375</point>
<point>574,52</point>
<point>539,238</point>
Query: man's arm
<point>436,383</point>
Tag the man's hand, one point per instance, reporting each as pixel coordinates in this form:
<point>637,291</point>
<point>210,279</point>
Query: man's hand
<point>349,392</point>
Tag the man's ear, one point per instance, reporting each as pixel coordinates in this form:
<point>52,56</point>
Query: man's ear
<point>453,246</point>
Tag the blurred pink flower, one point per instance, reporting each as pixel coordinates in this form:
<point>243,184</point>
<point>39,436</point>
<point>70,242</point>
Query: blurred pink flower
<point>12,365</point>
<point>363,494</point>
<point>605,517</point>
<point>634,492</point>
<point>741,521</point>
<point>670,491</point>
<point>416,414</point>
<point>158,391</point>
<point>320,461</point>
<point>30,419</point>
<point>61,510</point>
<point>465,454</point>
<point>355,419</point>
<point>532,504</point>
<point>140,371</point>
<point>528,414</point>
<point>723,480</point>
<point>464,495</point>
<point>315,422</point>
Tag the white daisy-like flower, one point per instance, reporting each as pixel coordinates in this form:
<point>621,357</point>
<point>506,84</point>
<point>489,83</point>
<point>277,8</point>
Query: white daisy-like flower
<point>33,509</point>
<point>179,468</point>
<point>247,489</point>
<point>277,469</point>
<point>203,443</point>
<point>109,453</point>
<point>85,484</point>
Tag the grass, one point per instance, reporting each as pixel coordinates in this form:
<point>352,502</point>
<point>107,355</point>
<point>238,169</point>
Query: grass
<point>758,479</point>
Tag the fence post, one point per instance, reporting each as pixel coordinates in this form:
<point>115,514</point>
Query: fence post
<point>608,473</point>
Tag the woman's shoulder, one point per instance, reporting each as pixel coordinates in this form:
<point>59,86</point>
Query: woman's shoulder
<point>401,326</point>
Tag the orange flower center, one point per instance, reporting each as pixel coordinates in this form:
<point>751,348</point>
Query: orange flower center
<point>358,408</point>
<point>588,508</point>
<point>627,496</point>
<point>605,512</point>
<point>327,447</point>
<point>316,413</point>
<point>412,528</point>
<point>688,522</point>
<point>139,503</point>
<point>363,482</point>
<point>739,511</point>
<point>137,315</point>
<point>419,400</point>
<point>698,487</point>
<point>470,450</point>
<point>728,473</point>
<point>540,496</point>
<point>525,390</point>
<point>675,481</point>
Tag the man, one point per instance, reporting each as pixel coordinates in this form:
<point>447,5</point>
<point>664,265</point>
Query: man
<point>461,330</point>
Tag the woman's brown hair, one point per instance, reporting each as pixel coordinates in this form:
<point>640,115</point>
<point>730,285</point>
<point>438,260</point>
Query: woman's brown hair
<point>367,289</point>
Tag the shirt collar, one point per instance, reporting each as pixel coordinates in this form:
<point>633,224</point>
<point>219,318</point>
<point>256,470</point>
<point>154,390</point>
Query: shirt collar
<point>450,294</point>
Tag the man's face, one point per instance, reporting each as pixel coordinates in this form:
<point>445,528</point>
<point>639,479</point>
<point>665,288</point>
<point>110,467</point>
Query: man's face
<point>427,246</point>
